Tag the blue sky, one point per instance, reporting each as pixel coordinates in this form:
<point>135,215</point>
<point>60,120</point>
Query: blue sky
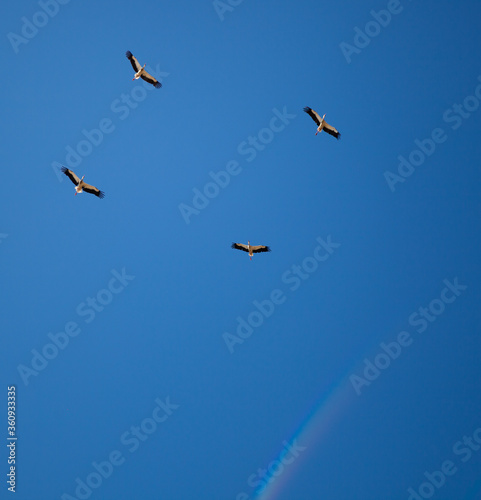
<point>150,359</point>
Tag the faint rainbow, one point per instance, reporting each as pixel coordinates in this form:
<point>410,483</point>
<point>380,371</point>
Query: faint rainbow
<point>315,425</point>
<point>317,422</point>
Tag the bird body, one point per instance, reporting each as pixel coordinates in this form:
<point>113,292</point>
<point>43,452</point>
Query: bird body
<point>321,123</point>
<point>80,185</point>
<point>140,71</point>
<point>251,249</point>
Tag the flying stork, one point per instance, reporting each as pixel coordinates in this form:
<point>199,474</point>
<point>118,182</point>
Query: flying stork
<point>250,248</point>
<point>80,185</point>
<point>140,71</point>
<point>322,124</point>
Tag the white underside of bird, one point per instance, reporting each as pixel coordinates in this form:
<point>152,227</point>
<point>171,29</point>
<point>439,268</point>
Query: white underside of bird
<point>321,126</point>
<point>79,188</point>
<point>139,73</point>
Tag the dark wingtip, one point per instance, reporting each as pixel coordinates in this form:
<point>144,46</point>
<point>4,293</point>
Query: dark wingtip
<point>157,85</point>
<point>307,109</point>
<point>268,249</point>
<point>101,194</point>
<point>233,245</point>
<point>338,136</point>
<point>128,54</point>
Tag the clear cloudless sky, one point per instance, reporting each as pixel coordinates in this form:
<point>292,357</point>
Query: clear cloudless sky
<point>303,377</point>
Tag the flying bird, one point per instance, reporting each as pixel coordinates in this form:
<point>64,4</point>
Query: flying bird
<point>250,248</point>
<point>80,185</point>
<point>140,71</point>
<point>322,124</point>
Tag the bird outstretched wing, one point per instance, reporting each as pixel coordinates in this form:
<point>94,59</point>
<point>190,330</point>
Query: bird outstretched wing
<point>313,115</point>
<point>331,130</point>
<point>133,61</point>
<point>71,175</point>
<point>240,246</point>
<point>260,248</point>
<point>93,190</point>
<point>150,79</point>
